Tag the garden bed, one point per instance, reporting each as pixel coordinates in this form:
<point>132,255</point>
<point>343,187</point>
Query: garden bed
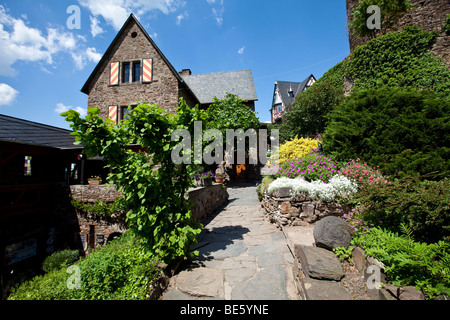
<point>300,210</point>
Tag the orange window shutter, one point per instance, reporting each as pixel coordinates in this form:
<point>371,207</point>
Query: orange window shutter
<point>114,76</point>
<point>147,70</point>
<point>113,113</point>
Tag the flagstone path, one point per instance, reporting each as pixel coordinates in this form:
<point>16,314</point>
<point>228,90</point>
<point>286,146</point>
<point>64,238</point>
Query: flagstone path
<point>241,256</point>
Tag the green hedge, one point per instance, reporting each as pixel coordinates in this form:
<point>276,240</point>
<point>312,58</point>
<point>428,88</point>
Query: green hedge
<point>123,270</point>
<point>401,129</point>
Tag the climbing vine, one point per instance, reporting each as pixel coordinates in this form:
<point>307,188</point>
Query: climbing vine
<point>153,186</point>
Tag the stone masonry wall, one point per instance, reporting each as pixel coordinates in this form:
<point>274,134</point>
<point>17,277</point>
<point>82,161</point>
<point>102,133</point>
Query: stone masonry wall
<point>207,201</point>
<point>281,209</point>
<point>427,14</point>
<point>165,90</point>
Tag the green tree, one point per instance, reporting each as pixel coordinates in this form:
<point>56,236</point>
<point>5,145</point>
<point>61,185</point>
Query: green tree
<point>231,113</point>
<point>153,186</point>
<point>306,117</point>
<point>390,11</point>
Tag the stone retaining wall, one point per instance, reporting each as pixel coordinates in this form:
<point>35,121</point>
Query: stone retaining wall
<point>284,210</point>
<point>97,230</point>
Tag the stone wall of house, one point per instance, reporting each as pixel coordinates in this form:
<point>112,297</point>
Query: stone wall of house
<point>428,14</point>
<point>284,210</point>
<point>165,90</point>
<point>95,230</point>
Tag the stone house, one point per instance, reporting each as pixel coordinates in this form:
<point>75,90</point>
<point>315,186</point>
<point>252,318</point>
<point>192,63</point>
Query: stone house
<point>133,69</point>
<point>285,94</point>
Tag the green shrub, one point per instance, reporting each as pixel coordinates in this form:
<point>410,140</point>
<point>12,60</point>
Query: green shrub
<point>307,115</point>
<point>408,262</point>
<point>422,206</point>
<point>404,129</point>
<point>59,259</point>
<point>123,270</point>
<point>399,59</point>
<point>262,188</point>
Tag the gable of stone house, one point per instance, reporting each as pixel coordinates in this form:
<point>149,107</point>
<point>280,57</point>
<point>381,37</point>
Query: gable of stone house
<point>159,84</point>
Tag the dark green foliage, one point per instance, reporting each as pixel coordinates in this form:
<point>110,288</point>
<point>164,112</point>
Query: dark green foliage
<point>423,206</point>
<point>123,270</point>
<point>395,59</point>
<point>399,59</point>
<point>404,129</point>
<point>409,262</point>
<point>306,118</point>
<point>60,259</point>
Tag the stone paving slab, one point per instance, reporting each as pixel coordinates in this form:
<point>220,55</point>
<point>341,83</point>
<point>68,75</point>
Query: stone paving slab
<point>241,256</point>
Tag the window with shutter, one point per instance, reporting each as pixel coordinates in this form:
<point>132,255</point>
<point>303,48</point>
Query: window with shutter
<point>147,70</point>
<point>113,113</point>
<point>114,75</point>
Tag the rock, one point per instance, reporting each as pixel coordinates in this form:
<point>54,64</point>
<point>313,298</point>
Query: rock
<point>410,293</point>
<point>324,290</point>
<point>284,192</point>
<point>308,209</point>
<point>359,258</point>
<point>319,263</point>
<point>332,232</point>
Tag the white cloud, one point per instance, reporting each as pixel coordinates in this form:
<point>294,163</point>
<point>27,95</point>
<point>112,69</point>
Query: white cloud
<point>95,27</point>
<point>115,12</point>
<point>20,42</point>
<point>241,51</point>
<point>60,108</point>
<point>181,17</point>
<point>217,10</point>
<point>7,94</point>
<point>81,58</point>
<point>92,55</point>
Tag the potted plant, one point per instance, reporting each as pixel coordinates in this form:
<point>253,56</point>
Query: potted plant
<point>207,178</point>
<point>94,181</point>
<point>220,175</point>
<point>203,179</point>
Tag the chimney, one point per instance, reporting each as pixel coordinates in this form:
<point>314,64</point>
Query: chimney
<point>185,72</point>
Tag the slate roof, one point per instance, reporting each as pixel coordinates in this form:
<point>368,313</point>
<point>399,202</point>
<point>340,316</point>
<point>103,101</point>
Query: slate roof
<point>297,87</point>
<point>206,86</point>
<point>28,132</point>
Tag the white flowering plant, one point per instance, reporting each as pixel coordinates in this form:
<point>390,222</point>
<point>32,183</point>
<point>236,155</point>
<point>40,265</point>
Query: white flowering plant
<point>338,187</point>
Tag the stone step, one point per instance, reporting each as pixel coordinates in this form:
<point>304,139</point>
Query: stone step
<point>318,272</point>
<point>319,263</point>
<point>323,290</point>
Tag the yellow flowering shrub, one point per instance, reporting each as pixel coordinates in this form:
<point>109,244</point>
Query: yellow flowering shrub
<point>297,148</point>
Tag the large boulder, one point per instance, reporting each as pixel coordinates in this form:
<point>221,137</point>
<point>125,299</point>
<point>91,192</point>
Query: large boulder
<point>318,263</point>
<point>332,232</point>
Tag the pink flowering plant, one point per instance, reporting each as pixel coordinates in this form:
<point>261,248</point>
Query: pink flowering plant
<point>362,173</point>
<point>312,167</point>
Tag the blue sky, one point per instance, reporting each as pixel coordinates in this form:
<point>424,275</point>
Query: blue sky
<point>44,63</point>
